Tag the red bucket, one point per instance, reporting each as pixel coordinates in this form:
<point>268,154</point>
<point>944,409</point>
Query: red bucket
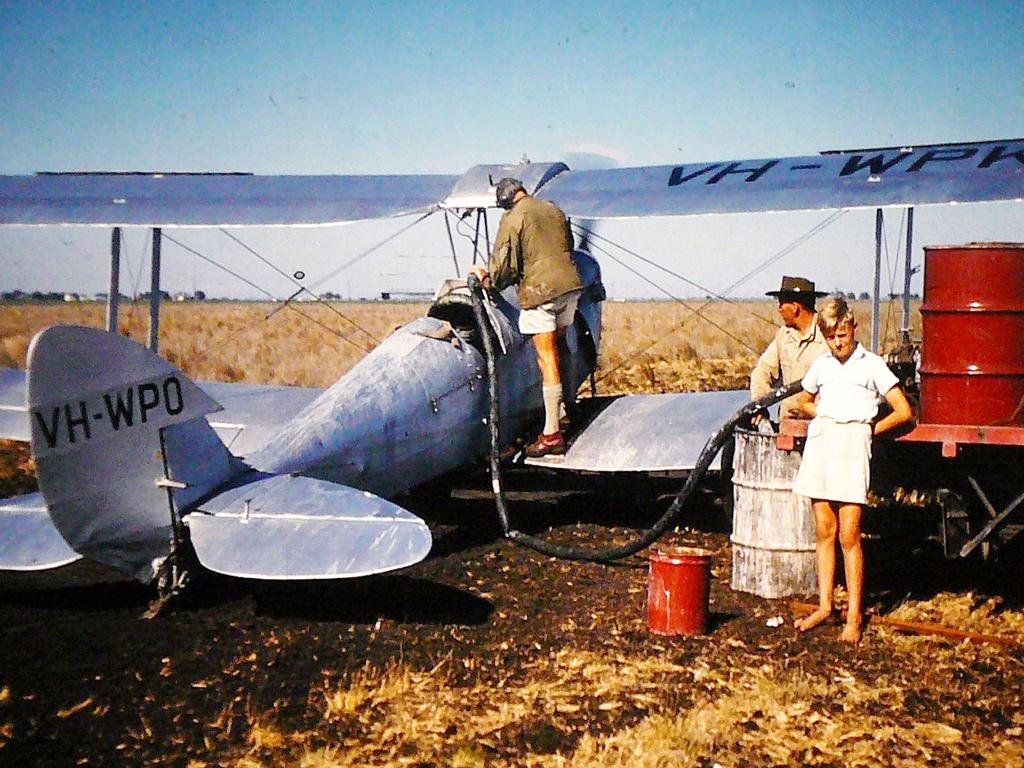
<point>677,592</point>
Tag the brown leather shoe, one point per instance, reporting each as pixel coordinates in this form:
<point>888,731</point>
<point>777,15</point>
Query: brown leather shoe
<point>553,444</point>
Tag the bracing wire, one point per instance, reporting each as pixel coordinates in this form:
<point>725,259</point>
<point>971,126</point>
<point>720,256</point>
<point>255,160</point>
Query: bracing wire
<point>135,278</point>
<point>817,228</point>
<point>723,295</point>
<point>368,251</point>
<point>476,234</point>
<point>451,242</point>
<point>266,293</point>
<point>221,267</point>
<point>785,251</point>
<point>581,229</point>
<point>288,302</point>
<point>893,265</point>
<point>670,295</point>
<point>463,231</point>
<point>302,288</point>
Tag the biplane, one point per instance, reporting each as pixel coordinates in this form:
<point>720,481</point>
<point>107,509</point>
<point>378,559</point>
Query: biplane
<point>138,465</point>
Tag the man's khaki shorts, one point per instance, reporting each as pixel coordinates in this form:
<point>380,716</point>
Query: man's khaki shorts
<point>554,314</point>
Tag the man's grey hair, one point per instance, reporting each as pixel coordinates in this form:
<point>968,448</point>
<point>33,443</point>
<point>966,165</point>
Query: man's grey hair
<point>505,191</point>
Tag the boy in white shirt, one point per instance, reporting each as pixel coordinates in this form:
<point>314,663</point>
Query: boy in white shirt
<point>841,394</point>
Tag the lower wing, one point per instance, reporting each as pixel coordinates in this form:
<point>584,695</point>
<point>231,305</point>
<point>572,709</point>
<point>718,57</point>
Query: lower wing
<point>649,433</point>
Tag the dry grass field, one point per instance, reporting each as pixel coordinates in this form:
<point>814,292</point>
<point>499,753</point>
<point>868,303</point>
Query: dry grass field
<point>485,654</point>
<point>647,346</point>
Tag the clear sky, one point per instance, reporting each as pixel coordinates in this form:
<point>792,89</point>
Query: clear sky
<point>426,87</point>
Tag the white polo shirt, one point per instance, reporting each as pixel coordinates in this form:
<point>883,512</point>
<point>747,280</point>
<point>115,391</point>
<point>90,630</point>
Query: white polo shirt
<point>849,391</point>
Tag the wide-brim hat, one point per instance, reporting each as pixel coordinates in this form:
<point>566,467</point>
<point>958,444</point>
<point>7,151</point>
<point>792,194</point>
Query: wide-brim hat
<point>797,286</point>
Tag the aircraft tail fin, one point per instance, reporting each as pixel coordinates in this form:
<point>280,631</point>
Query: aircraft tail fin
<point>121,445</point>
<point>129,467</point>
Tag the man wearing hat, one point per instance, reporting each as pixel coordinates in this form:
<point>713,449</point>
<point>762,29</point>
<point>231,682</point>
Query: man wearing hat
<point>533,248</point>
<point>796,345</point>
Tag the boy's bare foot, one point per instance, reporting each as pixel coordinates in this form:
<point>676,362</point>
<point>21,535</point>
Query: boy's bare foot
<point>851,633</point>
<point>812,620</point>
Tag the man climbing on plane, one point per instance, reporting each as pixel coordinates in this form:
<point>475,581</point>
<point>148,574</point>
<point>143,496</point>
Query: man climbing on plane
<point>533,248</point>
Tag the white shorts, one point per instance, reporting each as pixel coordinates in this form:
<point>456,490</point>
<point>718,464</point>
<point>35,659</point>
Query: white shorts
<point>836,464</point>
<point>554,314</point>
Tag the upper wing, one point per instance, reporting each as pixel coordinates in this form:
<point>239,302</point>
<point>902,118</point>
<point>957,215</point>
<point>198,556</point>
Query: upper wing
<point>961,173</point>
<point>198,200</point>
<point>943,173</point>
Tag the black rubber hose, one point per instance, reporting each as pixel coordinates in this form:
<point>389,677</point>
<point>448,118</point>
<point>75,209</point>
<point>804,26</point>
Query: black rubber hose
<point>606,554</point>
<point>484,330</point>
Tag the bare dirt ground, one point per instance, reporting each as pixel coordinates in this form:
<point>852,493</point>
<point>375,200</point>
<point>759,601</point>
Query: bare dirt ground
<point>489,654</point>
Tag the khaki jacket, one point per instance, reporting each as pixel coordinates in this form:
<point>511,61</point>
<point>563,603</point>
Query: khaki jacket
<point>787,359</point>
<point>533,248</point>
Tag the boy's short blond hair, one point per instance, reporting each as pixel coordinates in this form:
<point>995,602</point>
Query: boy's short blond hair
<point>833,313</point>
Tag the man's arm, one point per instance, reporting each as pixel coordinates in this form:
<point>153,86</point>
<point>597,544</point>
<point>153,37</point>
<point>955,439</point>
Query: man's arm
<point>806,405</point>
<point>766,371</point>
<point>505,264</point>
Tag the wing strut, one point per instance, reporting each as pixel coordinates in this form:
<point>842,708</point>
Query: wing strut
<point>114,295</point>
<point>451,242</point>
<point>154,293</point>
<point>908,270</point>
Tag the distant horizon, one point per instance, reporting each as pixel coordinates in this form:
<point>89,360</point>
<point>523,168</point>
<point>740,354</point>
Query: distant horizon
<point>752,249</point>
<point>401,297</point>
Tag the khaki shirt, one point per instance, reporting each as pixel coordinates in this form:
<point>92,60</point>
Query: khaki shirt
<point>533,247</point>
<point>786,360</point>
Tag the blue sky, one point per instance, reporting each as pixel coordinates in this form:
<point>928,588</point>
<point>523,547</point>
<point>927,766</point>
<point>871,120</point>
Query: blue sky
<point>438,87</point>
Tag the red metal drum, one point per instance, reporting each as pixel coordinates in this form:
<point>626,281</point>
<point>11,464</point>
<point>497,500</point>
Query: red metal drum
<point>678,590</point>
<point>972,357</point>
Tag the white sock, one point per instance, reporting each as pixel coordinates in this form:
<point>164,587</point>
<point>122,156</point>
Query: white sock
<point>552,407</point>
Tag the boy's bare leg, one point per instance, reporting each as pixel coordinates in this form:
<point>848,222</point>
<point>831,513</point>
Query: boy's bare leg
<point>825,546</point>
<point>853,563</point>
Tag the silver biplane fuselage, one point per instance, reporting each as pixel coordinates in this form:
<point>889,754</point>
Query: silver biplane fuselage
<point>416,406</point>
<point>132,469</point>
